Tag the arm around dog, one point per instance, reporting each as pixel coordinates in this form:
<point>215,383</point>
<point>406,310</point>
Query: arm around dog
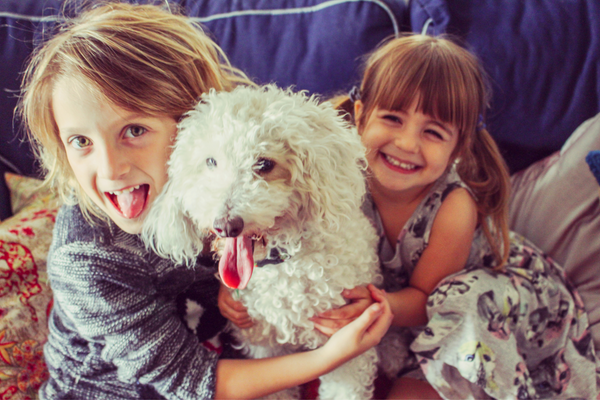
<point>237,378</point>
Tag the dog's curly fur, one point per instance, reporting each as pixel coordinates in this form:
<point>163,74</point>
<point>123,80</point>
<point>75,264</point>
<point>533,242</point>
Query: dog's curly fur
<point>307,206</point>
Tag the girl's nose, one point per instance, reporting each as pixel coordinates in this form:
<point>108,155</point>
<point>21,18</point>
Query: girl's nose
<point>113,163</point>
<point>408,140</point>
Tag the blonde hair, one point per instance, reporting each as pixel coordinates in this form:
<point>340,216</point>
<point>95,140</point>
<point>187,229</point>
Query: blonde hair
<point>139,57</point>
<point>449,84</point>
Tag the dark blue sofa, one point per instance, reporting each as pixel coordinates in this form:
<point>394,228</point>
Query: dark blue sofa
<point>543,56</point>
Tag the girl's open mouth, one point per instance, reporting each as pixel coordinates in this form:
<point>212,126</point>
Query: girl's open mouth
<point>129,202</point>
<point>398,165</point>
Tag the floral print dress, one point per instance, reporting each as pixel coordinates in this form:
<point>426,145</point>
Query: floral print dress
<point>520,333</point>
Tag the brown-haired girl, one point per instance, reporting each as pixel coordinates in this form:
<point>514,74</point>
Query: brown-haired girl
<point>481,311</point>
<point>101,100</point>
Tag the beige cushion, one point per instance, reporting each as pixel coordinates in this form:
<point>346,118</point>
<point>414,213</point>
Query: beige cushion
<point>555,204</point>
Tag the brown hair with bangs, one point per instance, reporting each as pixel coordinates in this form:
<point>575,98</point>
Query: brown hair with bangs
<point>142,58</point>
<point>450,85</point>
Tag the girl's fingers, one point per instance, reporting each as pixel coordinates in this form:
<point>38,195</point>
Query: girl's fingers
<point>324,329</point>
<point>361,324</point>
<point>361,297</point>
<point>232,314</point>
<point>228,299</point>
<point>364,323</point>
<point>376,294</point>
<point>233,310</point>
<point>236,305</point>
<point>350,311</point>
<point>238,316</point>
<point>361,334</point>
<point>244,324</point>
<point>331,314</point>
<point>331,324</point>
<point>382,324</point>
<point>359,292</point>
<point>226,302</point>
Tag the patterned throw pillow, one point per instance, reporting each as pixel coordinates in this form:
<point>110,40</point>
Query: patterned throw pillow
<point>25,297</point>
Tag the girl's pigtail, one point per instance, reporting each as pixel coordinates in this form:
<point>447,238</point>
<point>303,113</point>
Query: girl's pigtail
<point>344,104</point>
<point>486,173</point>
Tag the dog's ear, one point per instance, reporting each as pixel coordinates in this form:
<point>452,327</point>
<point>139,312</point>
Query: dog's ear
<point>169,231</point>
<point>333,164</point>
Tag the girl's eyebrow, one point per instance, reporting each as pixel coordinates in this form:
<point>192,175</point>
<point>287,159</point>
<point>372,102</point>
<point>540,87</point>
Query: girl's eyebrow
<point>125,119</point>
<point>70,131</point>
<point>138,117</point>
<point>430,120</point>
<point>135,115</point>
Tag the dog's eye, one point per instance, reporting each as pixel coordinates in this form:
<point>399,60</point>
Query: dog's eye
<point>211,162</point>
<point>264,166</point>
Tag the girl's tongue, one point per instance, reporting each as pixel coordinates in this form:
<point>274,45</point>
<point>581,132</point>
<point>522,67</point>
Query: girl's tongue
<point>131,203</point>
<point>237,262</point>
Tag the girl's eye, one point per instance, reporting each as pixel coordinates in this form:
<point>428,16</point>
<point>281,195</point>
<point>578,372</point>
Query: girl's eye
<point>392,118</point>
<point>80,142</point>
<point>135,131</point>
<point>264,166</point>
<point>436,134</point>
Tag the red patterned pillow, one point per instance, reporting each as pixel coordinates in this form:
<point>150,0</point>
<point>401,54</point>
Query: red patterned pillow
<point>25,297</point>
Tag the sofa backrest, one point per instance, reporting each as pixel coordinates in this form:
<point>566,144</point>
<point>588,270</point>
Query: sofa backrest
<point>543,57</point>
<point>315,45</point>
<point>543,60</point>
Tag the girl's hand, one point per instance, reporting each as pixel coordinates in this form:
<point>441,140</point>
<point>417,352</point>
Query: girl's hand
<point>232,309</point>
<point>365,331</point>
<point>331,321</point>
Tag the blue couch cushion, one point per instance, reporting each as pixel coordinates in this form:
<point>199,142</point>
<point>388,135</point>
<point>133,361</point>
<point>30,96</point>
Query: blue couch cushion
<point>21,25</point>
<point>312,44</point>
<point>542,57</point>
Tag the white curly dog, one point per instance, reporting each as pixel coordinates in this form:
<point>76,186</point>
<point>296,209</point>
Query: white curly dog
<point>279,177</point>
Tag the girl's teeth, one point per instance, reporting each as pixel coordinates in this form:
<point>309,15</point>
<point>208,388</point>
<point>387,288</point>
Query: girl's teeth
<point>131,189</point>
<point>397,163</point>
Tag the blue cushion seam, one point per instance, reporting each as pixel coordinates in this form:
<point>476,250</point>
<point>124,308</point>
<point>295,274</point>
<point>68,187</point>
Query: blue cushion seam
<point>301,10</point>
<point>46,18</point>
<point>281,11</point>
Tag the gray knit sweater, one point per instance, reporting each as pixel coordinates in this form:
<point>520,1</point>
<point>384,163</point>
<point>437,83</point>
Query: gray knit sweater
<point>114,329</point>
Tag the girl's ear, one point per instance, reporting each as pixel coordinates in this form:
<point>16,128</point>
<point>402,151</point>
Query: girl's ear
<point>358,108</point>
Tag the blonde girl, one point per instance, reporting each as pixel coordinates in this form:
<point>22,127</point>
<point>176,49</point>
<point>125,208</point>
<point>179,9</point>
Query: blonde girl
<point>479,312</point>
<point>101,101</point>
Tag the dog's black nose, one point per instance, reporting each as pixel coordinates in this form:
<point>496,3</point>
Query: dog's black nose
<point>229,227</point>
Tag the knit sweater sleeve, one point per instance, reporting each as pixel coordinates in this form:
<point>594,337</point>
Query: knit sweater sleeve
<point>108,295</point>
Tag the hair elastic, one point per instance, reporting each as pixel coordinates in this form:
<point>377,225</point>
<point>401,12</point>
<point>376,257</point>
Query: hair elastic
<point>480,123</point>
<point>593,160</point>
<point>354,94</point>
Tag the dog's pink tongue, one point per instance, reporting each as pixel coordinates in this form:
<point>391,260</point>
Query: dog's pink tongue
<point>132,203</point>
<point>237,262</point>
